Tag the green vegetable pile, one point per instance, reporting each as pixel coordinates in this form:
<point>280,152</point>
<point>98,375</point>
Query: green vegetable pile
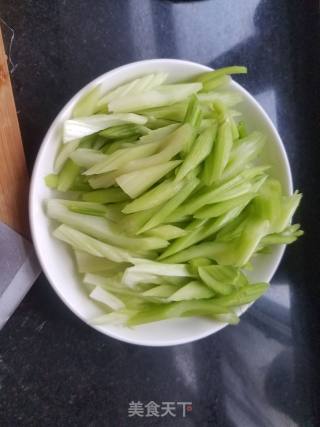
<point>162,196</point>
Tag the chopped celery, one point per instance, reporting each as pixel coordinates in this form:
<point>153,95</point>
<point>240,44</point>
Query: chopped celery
<point>218,159</point>
<point>51,180</point>
<point>104,180</point>
<point>213,84</point>
<point>87,103</point>
<point>242,129</point>
<point>123,131</point>
<point>103,296</point>
<point>64,153</point>
<point>193,290</point>
<point>109,195</point>
<point>219,278</point>
<point>175,112</point>
<point>73,129</point>
<point>67,175</point>
<point>162,214</point>
<point>200,149</point>
<point>229,98</point>
<point>217,209</point>
<point>163,95</point>
<point>86,157</point>
<point>167,232</point>
<point>161,291</point>
<point>136,182</point>
<point>159,134</point>
<point>152,198</point>
<point>234,69</point>
<point>87,263</point>
<point>244,295</point>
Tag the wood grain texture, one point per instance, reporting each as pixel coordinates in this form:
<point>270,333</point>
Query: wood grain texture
<point>14,181</point>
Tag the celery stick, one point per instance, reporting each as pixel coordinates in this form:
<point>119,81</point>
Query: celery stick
<point>200,149</point>
<point>229,98</point>
<point>156,312</point>
<point>87,104</point>
<point>175,112</point>
<point>80,183</point>
<point>51,180</point>
<point>86,158</point>
<point>122,156</point>
<point>161,96</point>
<point>123,131</point>
<point>161,291</point>
<point>109,195</point>
<point>87,263</point>
<point>87,208</point>
<point>135,183</point>
<point>64,153</point>
<point>218,159</point>
<point>216,209</point>
<point>244,295</point>
<point>166,232</point>
<point>192,291</point>
<point>67,175</point>
<point>213,84</point>
<point>136,86</point>
<point>242,129</point>
<point>104,180</point>
<point>131,223</point>
<point>83,242</point>
<point>159,134</point>
<point>102,229</point>
<point>103,296</point>
<point>152,198</point>
<point>234,69</point>
<point>159,269</point>
<point>211,250</point>
<point>74,129</point>
<point>164,212</point>
<point>219,278</point>
<point>199,262</point>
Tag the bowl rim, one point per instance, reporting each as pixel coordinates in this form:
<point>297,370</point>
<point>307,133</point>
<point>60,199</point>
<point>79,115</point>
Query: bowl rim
<point>32,194</point>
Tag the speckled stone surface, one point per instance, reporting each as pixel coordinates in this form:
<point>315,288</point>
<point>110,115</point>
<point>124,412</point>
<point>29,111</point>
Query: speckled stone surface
<point>55,370</point>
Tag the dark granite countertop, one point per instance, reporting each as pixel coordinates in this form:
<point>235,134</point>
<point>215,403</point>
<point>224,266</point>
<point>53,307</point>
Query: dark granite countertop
<point>55,370</point>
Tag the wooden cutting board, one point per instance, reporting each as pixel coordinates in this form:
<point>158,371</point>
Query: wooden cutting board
<point>14,180</point>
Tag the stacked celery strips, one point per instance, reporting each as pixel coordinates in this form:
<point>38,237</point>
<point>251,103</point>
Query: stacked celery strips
<point>160,193</point>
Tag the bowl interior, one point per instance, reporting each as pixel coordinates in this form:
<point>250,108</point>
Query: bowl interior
<point>55,257</point>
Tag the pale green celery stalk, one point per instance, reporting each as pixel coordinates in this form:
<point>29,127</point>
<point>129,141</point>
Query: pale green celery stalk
<point>163,95</point>
<point>64,153</point>
<point>86,157</point>
<point>51,180</point>
<point>154,197</point>
<point>99,142</point>
<point>161,291</point>
<point>111,147</point>
<point>218,159</point>
<point>200,149</point>
<point>136,182</point>
<point>124,131</point>
<point>175,112</point>
<point>166,232</point>
<point>104,180</point>
<point>80,183</point>
<point>243,152</point>
<point>217,209</point>
<point>109,195</point>
<point>233,230</point>
<point>211,250</point>
<point>159,134</point>
<point>199,262</point>
<point>87,263</point>
<point>287,236</point>
<point>154,124</point>
<point>73,129</point>
<point>88,141</point>
<point>170,147</point>
<point>201,232</point>
<point>67,175</point>
<point>192,291</point>
<point>218,278</point>
<point>234,69</point>
<point>107,298</point>
<point>232,188</point>
<point>83,242</point>
<point>156,312</point>
<point>134,279</point>
<point>131,223</point>
<point>163,213</point>
<point>122,156</point>
<point>193,112</point>
<point>242,129</point>
<point>136,86</point>
<point>215,83</point>
<point>86,106</point>
<point>87,208</point>
<point>289,205</point>
<point>159,269</point>
<point>229,98</point>
<point>102,229</point>
<point>244,295</point>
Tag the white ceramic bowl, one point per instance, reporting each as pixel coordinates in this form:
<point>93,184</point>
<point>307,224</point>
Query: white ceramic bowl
<point>54,256</point>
